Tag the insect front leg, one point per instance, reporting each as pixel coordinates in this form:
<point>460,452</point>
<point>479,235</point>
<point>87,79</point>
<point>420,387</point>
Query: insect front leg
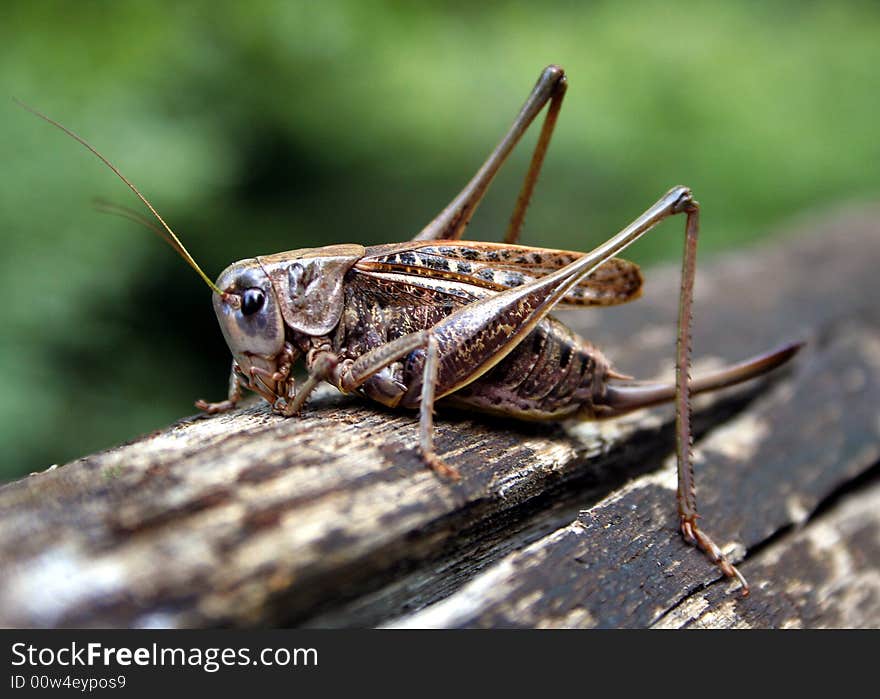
<point>234,395</point>
<point>259,380</point>
<point>284,363</point>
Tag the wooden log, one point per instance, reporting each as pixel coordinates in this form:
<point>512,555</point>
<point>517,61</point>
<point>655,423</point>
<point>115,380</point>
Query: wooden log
<point>332,519</point>
<point>768,469</point>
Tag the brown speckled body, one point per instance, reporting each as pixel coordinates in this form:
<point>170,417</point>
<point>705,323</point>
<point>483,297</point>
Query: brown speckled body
<point>552,373</point>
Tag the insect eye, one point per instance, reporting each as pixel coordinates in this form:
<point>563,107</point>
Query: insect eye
<point>252,300</point>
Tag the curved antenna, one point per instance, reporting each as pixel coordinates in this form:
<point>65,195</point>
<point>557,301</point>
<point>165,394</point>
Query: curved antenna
<point>105,206</point>
<point>170,238</point>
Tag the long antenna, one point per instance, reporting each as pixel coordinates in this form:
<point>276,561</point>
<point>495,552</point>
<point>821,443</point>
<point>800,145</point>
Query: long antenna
<point>171,238</point>
<point>106,206</point>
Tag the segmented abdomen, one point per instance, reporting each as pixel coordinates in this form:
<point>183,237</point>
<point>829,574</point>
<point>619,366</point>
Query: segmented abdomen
<point>552,373</point>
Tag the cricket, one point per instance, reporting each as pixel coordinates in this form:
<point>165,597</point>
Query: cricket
<point>444,321</point>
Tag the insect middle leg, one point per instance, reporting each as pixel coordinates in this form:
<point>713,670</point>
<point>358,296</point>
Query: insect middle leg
<point>349,375</point>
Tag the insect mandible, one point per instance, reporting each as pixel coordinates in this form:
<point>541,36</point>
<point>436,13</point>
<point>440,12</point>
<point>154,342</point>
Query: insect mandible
<point>439,319</point>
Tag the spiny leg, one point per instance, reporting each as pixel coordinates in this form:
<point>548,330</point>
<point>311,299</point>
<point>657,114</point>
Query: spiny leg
<point>521,308</point>
<point>493,326</point>
<point>477,336</point>
<point>687,492</point>
<point>451,222</point>
<point>426,412</point>
<point>348,376</point>
<point>528,187</point>
<point>351,375</point>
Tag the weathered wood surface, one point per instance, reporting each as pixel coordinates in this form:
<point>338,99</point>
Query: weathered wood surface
<point>331,519</point>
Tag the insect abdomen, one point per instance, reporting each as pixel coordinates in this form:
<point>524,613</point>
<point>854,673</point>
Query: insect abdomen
<point>552,373</point>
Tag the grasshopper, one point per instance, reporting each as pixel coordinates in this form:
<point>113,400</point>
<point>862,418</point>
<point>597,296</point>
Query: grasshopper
<point>463,323</point>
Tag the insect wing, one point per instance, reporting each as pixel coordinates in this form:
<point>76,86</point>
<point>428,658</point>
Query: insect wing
<point>474,268</point>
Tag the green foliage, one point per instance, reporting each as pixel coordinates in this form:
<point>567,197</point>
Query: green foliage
<point>258,127</point>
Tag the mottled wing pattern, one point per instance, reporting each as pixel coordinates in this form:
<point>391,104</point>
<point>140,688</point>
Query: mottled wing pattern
<point>459,266</point>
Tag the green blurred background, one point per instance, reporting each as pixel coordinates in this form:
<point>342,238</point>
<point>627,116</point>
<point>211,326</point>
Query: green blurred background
<point>264,126</point>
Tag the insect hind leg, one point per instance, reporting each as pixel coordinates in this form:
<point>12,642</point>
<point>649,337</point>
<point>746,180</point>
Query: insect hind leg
<point>687,492</point>
<point>521,308</point>
<point>450,223</point>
